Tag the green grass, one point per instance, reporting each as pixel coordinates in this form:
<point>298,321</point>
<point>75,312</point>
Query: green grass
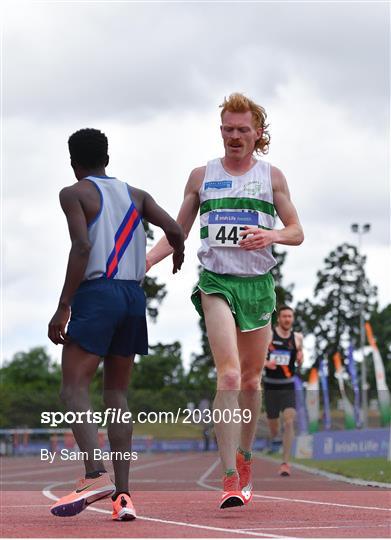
<point>375,469</point>
<point>168,430</point>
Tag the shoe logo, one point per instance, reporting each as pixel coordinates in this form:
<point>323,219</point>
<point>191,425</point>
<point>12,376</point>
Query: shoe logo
<point>246,494</point>
<point>84,488</point>
<point>265,317</point>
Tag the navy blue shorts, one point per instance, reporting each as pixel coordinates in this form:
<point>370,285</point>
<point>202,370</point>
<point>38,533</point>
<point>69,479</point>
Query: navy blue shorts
<point>108,317</point>
<point>278,399</point>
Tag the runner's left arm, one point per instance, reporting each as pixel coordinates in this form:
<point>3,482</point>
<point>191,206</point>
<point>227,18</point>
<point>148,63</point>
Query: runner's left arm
<point>77,262</point>
<point>291,234</point>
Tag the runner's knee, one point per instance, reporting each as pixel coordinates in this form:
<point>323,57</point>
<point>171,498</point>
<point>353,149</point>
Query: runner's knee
<point>251,383</point>
<point>115,399</point>
<point>289,421</point>
<point>73,396</point>
<point>228,379</point>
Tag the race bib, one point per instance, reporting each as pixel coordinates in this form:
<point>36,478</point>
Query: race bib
<point>224,227</point>
<point>281,358</point>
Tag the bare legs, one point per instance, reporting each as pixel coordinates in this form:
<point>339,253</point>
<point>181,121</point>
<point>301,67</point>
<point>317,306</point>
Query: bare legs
<point>288,418</point>
<point>288,434</point>
<point>252,353</point>
<point>221,330</point>
<point>239,359</point>
<point>117,370</point>
<point>78,368</point>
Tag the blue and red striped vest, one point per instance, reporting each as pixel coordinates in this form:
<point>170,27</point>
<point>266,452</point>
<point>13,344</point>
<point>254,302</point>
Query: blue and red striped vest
<point>117,234</point>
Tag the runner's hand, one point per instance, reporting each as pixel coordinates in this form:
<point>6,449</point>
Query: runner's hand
<point>270,364</point>
<point>255,238</point>
<point>56,329</point>
<point>177,259</point>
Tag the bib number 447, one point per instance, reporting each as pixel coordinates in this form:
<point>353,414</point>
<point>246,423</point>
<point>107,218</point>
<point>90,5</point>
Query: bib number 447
<point>231,235</point>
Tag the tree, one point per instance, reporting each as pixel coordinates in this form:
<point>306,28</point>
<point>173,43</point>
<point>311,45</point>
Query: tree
<point>381,325</point>
<point>283,294</point>
<point>154,291</point>
<point>29,384</point>
<point>158,380</point>
<point>341,292</point>
<point>201,379</point>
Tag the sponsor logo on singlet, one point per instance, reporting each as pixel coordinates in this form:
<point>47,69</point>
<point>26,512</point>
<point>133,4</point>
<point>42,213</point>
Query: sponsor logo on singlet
<point>225,226</point>
<point>218,184</point>
<point>253,188</point>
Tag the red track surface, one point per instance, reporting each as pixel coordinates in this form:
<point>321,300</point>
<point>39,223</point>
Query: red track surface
<point>176,496</point>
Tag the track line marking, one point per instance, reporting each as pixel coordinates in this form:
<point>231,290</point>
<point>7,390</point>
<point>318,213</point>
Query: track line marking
<point>202,483</point>
<point>23,505</point>
<point>321,503</point>
<point>47,492</point>
<point>315,527</point>
<point>331,476</point>
<point>78,465</point>
<point>40,471</point>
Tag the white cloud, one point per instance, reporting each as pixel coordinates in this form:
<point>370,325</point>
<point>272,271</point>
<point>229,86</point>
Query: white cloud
<point>151,77</point>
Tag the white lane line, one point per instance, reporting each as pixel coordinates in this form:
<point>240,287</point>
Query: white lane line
<point>48,480</point>
<point>331,476</point>
<point>321,503</point>
<point>161,462</point>
<point>23,505</point>
<point>67,467</point>
<point>31,482</point>
<point>202,483</point>
<point>386,525</point>
<point>40,471</point>
<point>47,492</point>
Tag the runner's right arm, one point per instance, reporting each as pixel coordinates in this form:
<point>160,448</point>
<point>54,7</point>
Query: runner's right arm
<point>186,217</point>
<point>154,214</point>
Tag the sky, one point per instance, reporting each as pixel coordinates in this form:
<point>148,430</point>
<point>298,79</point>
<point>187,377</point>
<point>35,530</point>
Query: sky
<point>152,75</point>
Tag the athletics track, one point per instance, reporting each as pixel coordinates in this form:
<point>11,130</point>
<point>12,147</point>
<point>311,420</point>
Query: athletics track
<point>176,496</point>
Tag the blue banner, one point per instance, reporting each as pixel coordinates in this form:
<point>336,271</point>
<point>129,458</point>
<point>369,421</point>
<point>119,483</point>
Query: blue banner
<point>353,375</point>
<point>300,406</point>
<point>323,374</point>
<point>351,444</point>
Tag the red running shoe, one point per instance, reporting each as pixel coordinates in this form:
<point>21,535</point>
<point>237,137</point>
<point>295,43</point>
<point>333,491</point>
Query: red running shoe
<point>245,481</point>
<point>232,495</point>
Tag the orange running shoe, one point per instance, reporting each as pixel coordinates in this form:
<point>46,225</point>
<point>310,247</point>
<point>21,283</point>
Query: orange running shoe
<point>245,481</point>
<point>123,509</point>
<point>88,490</point>
<point>284,469</point>
<point>232,495</point>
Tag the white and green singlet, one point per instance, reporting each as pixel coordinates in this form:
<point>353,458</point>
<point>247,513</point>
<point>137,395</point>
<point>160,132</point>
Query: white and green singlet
<point>227,204</point>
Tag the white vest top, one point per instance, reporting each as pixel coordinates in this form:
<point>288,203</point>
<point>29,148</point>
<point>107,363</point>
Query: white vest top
<point>227,203</point>
<point>117,234</point>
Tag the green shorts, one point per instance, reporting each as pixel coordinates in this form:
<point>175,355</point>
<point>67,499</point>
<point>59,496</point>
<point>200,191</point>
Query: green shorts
<point>252,299</point>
